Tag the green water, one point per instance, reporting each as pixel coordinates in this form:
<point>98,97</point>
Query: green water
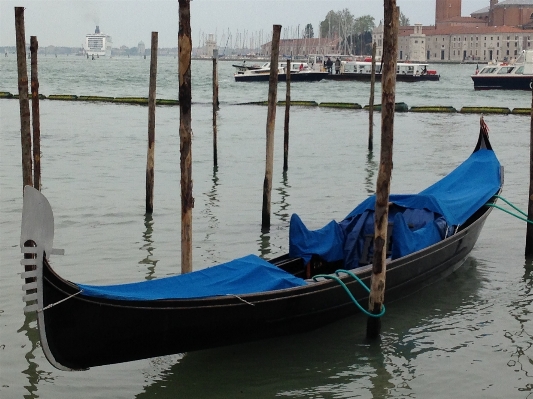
<point>469,336</point>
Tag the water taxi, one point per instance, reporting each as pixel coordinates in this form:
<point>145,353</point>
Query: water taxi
<point>514,75</point>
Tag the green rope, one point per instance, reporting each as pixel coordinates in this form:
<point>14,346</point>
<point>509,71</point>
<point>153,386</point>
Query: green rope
<point>509,212</point>
<point>338,280</point>
<point>510,204</point>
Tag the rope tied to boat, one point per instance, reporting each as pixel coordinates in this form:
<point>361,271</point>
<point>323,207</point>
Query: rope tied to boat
<point>58,302</point>
<point>241,299</point>
<point>341,283</point>
<point>524,214</point>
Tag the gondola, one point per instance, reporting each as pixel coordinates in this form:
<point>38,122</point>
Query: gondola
<point>430,235</point>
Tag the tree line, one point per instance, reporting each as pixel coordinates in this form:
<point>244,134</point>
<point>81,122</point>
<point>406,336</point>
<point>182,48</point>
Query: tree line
<point>355,34</point>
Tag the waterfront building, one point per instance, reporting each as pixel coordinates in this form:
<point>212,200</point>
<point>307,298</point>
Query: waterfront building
<point>416,43</point>
<point>508,13</point>
<point>499,32</point>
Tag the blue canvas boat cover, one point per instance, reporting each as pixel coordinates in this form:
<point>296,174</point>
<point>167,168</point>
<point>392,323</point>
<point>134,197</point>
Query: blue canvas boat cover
<point>246,275</point>
<point>422,219</point>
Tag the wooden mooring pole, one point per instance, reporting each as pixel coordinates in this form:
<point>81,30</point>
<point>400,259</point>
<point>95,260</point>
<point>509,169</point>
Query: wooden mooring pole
<point>270,125</point>
<point>36,119</point>
<point>371,101</point>
<point>388,88</point>
<point>150,157</point>
<point>25,132</point>
<point>215,107</point>
<point>184,69</point>
<point>529,229</point>
<point>287,116</point>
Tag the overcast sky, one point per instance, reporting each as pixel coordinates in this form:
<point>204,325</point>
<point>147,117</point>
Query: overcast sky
<point>66,22</point>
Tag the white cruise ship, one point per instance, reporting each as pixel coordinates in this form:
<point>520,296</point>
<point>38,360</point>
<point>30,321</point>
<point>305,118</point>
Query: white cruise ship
<point>97,44</point>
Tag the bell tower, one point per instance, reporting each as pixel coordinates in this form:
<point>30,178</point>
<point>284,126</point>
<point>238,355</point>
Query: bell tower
<point>491,11</point>
<point>446,9</point>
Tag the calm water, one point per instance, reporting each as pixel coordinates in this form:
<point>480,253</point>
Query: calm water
<point>469,336</point>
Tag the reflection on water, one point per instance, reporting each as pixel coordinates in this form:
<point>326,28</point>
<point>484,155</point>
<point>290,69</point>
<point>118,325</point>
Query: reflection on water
<point>266,247</point>
<point>305,365</point>
<point>264,244</point>
<point>382,380</point>
<point>427,337</point>
<point>148,246</point>
<point>522,358</point>
<point>415,325</point>
<point>211,204</point>
<point>32,372</point>
<point>333,361</point>
<point>370,169</point>
<point>282,213</point>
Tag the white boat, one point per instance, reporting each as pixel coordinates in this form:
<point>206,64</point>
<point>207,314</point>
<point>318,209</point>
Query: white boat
<point>97,44</point>
<point>244,66</point>
<point>514,75</point>
<point>405,71</point>
<point>360,68</point>
<point>300,72</point>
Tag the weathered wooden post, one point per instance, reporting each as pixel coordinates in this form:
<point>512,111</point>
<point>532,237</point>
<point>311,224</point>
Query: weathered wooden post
<point>529,229</point>
<point>271,123</point>
<point>184,69</point>
<point>388,86</point>
<point>150,157</point>
<point>36,119</point>
<point>25,133</point>
<point>287,114</point>
<point>371,101</point>
<point>215,106</point>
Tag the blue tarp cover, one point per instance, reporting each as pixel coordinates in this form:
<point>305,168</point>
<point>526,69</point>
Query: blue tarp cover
<point>425,218</point>
<point>240,276</point>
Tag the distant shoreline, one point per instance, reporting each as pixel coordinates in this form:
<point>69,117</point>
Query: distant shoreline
<point>125,52</point>
<point>167,52</point>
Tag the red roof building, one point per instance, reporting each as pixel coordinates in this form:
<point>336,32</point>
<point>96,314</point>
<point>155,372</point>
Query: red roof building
<point>500,31</point>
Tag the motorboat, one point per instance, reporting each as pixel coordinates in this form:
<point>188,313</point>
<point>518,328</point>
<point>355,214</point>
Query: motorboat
<point>506,75</point>
<point>300,72</point>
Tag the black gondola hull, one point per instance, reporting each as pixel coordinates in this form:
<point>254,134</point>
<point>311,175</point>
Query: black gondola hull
<point>83,332</point>
<point>78,331</point>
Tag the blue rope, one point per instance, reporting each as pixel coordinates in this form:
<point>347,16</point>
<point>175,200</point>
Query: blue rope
<point>338,280</point>
<point>509,212</point>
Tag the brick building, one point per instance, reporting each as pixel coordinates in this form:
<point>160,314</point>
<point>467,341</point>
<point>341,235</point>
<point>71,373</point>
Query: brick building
<point>497,32</point>
<point>447,9</point>
<point>506,13</point>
